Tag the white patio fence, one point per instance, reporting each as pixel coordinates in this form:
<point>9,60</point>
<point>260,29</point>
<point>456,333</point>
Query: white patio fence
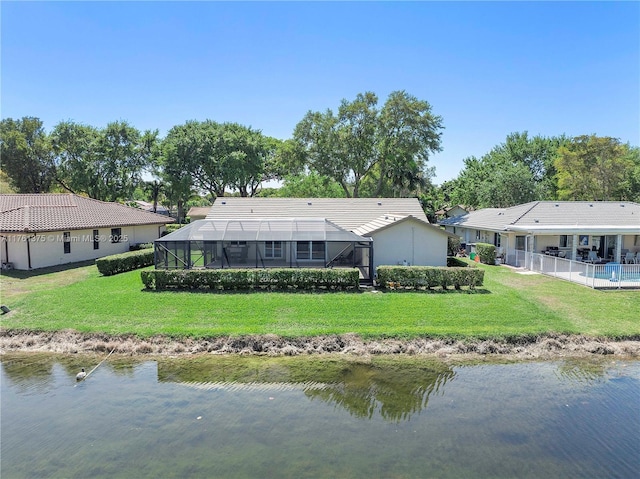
<point>599,276</point>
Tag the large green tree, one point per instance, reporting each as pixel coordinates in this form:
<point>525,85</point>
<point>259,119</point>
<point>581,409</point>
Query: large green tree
<point>310,185</point>
<point>105,164</point>
<point>520,170</point>
<point>219,156</point>
<point>597,168</point>
<point>26,155</point>
<point>365,145</point>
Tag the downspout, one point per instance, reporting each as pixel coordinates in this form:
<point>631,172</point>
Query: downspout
<point>371,271</point>
<point>6,248</point>
<point>29,252</point>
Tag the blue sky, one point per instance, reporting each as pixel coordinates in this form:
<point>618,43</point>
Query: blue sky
<point>488,69</point>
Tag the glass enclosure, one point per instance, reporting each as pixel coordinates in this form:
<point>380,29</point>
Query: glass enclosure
<point>269,243</point>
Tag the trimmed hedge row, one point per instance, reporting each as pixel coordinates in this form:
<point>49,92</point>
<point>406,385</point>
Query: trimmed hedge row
<point>247,279</point>
<point>120,263</point>
<point>487,253</point>
<point>418,277</point>
<point>453,261</point>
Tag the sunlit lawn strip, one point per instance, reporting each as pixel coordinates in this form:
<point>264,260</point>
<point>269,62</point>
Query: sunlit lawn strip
<point>508,304</point>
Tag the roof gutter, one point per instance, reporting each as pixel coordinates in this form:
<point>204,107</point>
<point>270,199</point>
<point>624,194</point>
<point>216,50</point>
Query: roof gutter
<point>607,229</point>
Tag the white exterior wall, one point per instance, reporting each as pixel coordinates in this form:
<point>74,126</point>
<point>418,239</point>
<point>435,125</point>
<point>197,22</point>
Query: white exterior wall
<point>410,241</point>
<point>47,249</point>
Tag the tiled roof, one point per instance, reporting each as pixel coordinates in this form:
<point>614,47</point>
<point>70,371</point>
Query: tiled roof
<point>387,220</point>
<point>347,213</point>
<point>57,212</point>
<point>199,211</point>
<point>540,215</point>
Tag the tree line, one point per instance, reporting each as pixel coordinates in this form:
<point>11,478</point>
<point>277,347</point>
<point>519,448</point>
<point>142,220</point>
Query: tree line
<point>363,149</point>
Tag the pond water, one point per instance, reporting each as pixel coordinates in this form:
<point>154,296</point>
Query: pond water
<point>254,417</point>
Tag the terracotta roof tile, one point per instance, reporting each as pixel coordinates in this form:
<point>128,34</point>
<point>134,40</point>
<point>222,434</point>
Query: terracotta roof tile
<point>57,212</point>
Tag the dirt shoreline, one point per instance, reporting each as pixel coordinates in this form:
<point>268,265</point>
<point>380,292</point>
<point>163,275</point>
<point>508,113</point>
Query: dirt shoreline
<point>551,346</point>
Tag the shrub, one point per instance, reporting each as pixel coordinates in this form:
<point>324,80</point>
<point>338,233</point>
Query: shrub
<point>453,246</point>
<point>453,261</point>
<point>487,253</point>
<point>119,263</point>
<point>139,246</point>
<point>428,277</point>
<point>252,279</point>
<point>171,227</point>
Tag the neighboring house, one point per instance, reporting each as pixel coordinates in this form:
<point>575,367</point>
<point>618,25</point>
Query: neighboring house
<point>569,229</point>
<point>314,232</point>
<point>42,230</point>
<point>198,212</point>
<point>146,206</point>
<point>451,211</point>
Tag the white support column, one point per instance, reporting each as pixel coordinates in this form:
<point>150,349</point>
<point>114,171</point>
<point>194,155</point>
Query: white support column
<point>618,258</point>
<point>574,248</point>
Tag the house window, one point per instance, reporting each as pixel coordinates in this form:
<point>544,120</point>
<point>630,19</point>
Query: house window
<point>66,236</point>
<point>96,239</point>
<point>496,239</point>
<point>477,234</point>
<point>116,235</point>
<point>310,250</point>
<point>273,249</point>
<point>520,240</point>
<point>566,241</point>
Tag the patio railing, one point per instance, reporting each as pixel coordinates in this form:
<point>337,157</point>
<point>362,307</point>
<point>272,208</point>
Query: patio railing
<point>599,276</point>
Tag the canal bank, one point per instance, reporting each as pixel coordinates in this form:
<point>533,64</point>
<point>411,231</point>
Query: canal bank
<point>549,346</point>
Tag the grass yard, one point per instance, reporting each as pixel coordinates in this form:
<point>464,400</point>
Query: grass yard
<point>509,304</point>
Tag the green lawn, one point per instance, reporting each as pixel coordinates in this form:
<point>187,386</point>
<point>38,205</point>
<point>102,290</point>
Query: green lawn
<point>509,304</point>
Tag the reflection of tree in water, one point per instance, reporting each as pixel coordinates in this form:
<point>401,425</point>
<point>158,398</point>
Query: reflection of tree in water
<point>394,392</point>
<point>394,388</point>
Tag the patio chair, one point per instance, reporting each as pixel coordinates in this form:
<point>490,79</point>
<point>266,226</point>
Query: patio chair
<point>592,257</point>
<point>629,258</point>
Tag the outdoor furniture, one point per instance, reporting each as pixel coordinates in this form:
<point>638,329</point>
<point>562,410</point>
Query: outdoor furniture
<point>592,257</point>
<point>630,257</point>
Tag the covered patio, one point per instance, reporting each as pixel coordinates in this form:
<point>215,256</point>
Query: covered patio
<point>264,243</point>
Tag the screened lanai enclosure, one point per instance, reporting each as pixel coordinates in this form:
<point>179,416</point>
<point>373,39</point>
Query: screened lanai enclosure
<point>264,243</point>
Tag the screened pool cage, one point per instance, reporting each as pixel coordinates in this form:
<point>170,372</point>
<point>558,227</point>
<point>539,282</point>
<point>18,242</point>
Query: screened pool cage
<point>264,243</point>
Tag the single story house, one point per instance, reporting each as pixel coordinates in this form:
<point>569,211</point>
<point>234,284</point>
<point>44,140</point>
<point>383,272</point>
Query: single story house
<point>198,212</point>
<point>40,230</point>
<point>450,211</point>
<point>578,230</point>
<point>306,232</point>
<point>146,206</point>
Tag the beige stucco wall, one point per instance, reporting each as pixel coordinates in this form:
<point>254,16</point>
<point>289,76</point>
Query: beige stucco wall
<point>47,249</point>
<point>410,241</point>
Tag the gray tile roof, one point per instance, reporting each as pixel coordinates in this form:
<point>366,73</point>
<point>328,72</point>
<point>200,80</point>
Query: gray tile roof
<point>347,213</point>
<point>387,220</point>
<point>58,212</point>
<point>550,215</point>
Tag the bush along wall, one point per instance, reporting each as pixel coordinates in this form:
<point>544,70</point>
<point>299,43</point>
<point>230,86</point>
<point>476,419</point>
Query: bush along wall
<point>487,253</point>
<point>120,263</point>
<point>428,277</point>
<point>279,279</point>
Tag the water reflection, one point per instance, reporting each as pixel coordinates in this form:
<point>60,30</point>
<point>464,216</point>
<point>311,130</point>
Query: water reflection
<point>390,389</point>
<point>317,417</point>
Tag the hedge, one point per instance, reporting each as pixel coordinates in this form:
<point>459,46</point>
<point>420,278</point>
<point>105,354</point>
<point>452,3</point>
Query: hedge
<point>487,253</point>
<point>120,263</point>
<point>427,277</point>
<point>252,279</point>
